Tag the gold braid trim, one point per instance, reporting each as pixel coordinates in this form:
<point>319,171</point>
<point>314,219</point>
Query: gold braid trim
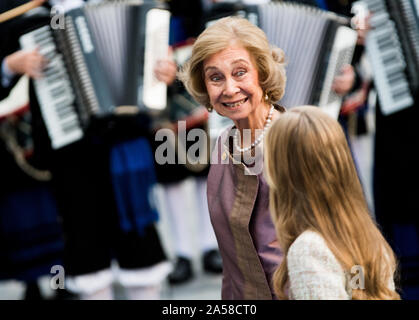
<point>8,134</point>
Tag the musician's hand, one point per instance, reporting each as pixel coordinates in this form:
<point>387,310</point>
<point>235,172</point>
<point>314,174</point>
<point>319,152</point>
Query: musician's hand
<point>165,71</point>
<point>362,26</point>
<point>26,62</point>
<point>344,82</point>
<point>355,100</point>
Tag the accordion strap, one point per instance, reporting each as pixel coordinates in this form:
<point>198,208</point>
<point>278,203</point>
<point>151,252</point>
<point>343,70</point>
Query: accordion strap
<point>8,134</point>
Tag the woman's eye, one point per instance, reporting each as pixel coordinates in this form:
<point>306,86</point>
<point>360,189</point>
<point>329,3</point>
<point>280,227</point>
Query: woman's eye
<point>240,73</point>
<point>215,78</point>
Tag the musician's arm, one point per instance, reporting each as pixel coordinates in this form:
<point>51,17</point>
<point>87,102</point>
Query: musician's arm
<point>7,75</point>
<point>165,70</point>
<point>344,82</point>
<point>7,79</point>
<point>26,62</point>
<point>19,63</point>
<point>349,80</point>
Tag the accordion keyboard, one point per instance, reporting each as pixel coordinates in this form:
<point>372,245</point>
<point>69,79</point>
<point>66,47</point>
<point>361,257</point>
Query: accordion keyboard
<point>54,91</point>
<point>387,60</point>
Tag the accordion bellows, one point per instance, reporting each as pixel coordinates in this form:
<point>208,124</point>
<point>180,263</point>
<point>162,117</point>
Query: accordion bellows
<point>103,58</point>
<point>316,44</point>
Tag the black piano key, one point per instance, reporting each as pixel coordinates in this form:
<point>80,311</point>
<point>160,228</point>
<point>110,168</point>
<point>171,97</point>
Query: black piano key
<point>62,107</point>
<point>385,41</point>
<point>54,78</point>
<point>50,72</point>
<point>49,56</point>
<point>47,49</point>
<point>64,112</point>
<point>68,116</point>
<point>390,59</point>
<point>395,77</point>
<point>58,92</point>
<point>46,42</point>
<point>400,93</point>
<point>42,37</point>
<point>376,6</point>
<point>71,126</point>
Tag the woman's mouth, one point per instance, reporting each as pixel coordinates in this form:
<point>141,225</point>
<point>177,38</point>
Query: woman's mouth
<point>235,104</point>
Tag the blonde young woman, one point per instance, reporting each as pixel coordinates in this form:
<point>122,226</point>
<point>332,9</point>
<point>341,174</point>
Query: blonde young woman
<point>235,71</point>
<point>320,214</point>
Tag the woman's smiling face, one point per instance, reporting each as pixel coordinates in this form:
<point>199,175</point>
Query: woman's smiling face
<point>232,83</point>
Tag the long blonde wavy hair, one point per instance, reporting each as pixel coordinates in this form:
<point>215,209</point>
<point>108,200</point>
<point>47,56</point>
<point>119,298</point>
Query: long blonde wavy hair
<point>314,186</point>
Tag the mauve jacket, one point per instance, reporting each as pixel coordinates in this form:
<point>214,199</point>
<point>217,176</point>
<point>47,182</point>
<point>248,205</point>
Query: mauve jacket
<point>238,202</point>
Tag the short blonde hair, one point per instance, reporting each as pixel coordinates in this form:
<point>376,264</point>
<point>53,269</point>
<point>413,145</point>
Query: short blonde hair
<point>219,36</point>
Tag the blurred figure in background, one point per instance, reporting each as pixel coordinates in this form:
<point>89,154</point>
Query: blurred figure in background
<point>185,25</point>
<point>31,241</point>
<point>395,185</point>
<point>395,175</point>
<point>102,187</point>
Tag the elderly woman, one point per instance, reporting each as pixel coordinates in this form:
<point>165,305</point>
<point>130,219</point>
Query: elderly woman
<point>234,70</point>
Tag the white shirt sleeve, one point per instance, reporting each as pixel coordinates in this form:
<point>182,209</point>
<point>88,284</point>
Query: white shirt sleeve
<point>6,74</point>
<point>314,273</point>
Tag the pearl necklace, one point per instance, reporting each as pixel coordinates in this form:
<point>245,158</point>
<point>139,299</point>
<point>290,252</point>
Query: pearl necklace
<point>258,139</point>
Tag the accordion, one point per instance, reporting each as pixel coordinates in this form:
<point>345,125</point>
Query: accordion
<point>102,58</point>
<point>392,47</point>
<point>316,43</point>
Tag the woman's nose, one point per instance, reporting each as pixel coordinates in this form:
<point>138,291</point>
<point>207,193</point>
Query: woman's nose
<point>230,87</point>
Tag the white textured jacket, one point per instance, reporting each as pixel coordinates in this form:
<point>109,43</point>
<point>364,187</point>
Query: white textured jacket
<point>314,272</point>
